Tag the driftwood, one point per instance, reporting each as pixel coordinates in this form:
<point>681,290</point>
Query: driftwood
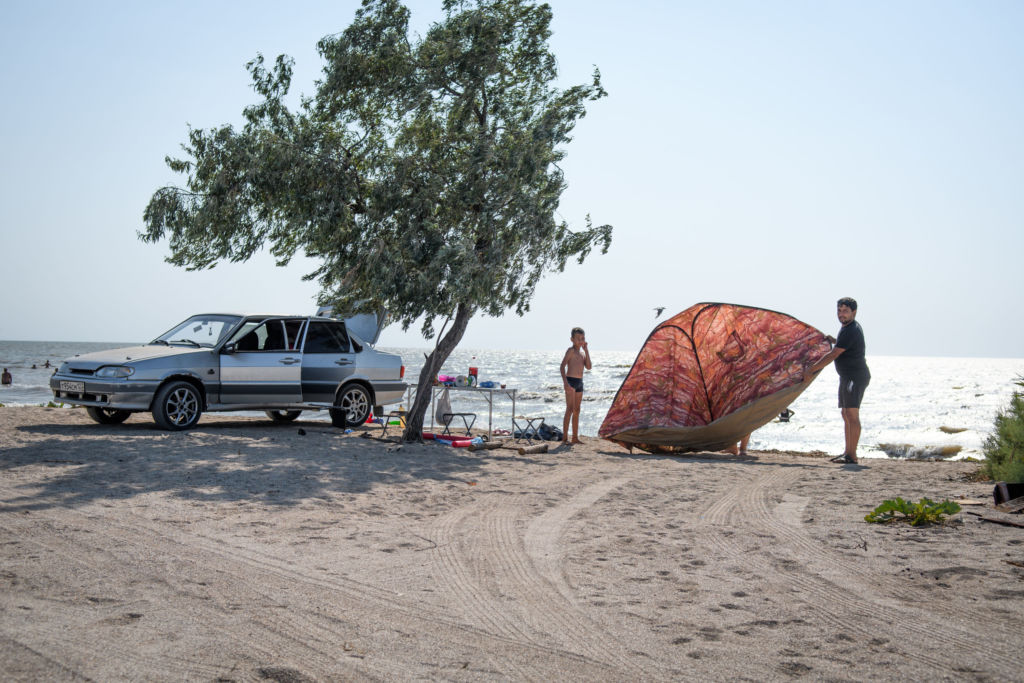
<point>997,518</point>
<point>530,450</point>
<point>1003,520</point>
<point>487,446</point>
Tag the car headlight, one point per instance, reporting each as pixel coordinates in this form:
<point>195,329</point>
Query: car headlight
<point>115,371</point>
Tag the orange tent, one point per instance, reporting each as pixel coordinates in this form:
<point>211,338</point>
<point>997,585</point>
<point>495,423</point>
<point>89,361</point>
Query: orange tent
<point>709,376</point>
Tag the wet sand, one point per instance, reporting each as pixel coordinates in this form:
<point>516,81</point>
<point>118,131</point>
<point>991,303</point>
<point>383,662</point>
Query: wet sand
<point>242,550</point>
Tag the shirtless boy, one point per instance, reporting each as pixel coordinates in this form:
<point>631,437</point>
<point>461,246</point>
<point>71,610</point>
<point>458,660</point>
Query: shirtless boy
<point>577,357</point>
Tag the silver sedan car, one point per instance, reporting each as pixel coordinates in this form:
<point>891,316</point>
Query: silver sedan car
<point>218,362</point>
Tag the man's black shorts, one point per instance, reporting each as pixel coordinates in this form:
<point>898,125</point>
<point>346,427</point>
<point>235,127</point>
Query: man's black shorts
<point>576,383</point>
<point>851,390</point>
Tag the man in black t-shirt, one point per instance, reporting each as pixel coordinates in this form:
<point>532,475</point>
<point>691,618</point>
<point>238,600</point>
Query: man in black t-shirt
<point>854,376</point>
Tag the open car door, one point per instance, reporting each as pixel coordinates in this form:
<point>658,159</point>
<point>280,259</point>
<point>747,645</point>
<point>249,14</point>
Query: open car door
<point>366,326</point>
<point>263,365</point>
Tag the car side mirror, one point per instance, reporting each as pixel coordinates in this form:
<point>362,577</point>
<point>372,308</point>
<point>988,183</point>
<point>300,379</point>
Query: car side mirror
<point>229,348</point>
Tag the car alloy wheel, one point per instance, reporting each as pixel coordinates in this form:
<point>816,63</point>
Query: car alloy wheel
<point>353,405</point>
<point>178,406</point>
<point>182,406</point>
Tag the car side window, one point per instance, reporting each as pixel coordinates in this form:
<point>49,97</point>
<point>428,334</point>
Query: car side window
<point>326,337</point>
<point>268,336</point>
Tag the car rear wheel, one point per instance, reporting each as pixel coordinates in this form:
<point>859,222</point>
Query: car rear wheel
<point>107,416</point>
<point>178,405</point>
<point>352,406</point>
<point>283,415</point>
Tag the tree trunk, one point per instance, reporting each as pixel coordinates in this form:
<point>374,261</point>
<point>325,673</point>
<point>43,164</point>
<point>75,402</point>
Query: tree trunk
<point>432,365</point>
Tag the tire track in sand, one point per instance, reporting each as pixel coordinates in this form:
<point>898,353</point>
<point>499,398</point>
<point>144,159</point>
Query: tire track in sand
<point>303,632</point>
<point>99,564</point>
<point>858,608</point>
<point>505,568</point>
<point>365,602</point>
<point>882,589</point>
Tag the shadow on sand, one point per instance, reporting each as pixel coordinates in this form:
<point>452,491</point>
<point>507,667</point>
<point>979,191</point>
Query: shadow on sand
<point>224,461</point>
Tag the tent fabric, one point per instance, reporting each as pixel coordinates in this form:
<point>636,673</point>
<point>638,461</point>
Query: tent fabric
<point>710,375</point>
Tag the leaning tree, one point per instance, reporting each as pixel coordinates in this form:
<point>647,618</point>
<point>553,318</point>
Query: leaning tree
<point>423,174</point>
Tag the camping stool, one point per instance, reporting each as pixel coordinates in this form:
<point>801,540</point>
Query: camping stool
<point>467,421</point>
<point>530,432</point>
<point>394,414</point>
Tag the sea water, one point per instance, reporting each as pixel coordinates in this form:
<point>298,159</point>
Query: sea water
<point>905,408</point>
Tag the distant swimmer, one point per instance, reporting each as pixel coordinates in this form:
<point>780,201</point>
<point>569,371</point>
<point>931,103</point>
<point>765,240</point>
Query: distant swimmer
<point>46,364</point>
<point>7,379</point>
<point>658,311</point>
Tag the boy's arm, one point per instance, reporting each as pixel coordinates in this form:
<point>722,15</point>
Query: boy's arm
<point>586,357</point>
<point>565,364</point>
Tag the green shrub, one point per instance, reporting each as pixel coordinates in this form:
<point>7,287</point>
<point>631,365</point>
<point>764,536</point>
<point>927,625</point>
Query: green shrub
<point>924,511</point>
<point>1004,447</point>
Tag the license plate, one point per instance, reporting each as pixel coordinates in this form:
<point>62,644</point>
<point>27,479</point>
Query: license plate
<point>72,387</point>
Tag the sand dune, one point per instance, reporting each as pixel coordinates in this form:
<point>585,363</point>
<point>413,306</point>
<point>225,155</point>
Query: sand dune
<point>243,550</point>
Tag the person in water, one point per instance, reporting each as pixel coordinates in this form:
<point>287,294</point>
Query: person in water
<point>854,375</point>
<point>577,357</point>
<point>7,379</point>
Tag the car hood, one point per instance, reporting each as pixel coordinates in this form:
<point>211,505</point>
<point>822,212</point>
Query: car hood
<point>91,361</point>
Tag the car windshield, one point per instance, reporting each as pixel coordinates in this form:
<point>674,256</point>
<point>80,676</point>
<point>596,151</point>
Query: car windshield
<point>200,330</point>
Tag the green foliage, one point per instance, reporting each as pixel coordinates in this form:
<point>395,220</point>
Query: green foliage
<point>1004,447</point>
<point>423,173</point>
<point>925,511</point>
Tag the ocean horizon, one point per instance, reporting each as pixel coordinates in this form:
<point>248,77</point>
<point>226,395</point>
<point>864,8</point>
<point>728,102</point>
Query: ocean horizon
<point>917,405</point>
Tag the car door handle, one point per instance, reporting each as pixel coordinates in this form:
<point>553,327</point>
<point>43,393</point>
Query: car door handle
<point>290,361</point>
<point>343,361</point>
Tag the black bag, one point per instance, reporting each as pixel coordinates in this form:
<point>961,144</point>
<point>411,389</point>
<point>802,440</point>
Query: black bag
<point>549,433</point>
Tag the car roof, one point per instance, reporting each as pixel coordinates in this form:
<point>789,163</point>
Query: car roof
<point>244,314</point>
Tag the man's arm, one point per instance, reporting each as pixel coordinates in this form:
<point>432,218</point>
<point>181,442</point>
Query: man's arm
<point>815,368</point>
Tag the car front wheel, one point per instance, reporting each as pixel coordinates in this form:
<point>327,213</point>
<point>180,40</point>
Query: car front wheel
<point>352,406</point>
<point>178,405</point>
<point>107,416</point>
<point>283,415</point>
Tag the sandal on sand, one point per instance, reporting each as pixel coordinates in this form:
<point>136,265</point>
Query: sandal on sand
<point>839,458</point>
<point>847,460</point>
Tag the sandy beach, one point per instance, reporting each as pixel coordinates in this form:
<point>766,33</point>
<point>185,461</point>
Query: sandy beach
<point>244,550</point>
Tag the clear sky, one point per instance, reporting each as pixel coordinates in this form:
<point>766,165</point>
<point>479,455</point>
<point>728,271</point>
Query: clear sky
<point>777,154</point>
